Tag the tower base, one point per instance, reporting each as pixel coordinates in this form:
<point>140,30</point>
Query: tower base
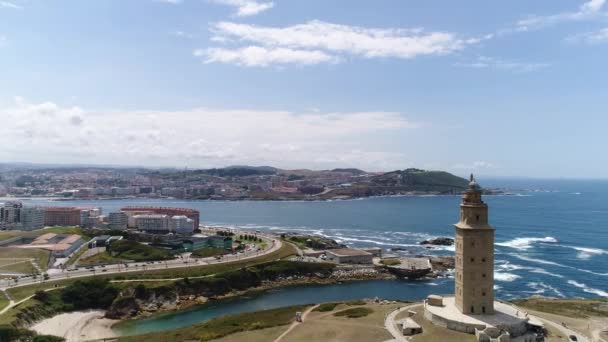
<point>505,318</point>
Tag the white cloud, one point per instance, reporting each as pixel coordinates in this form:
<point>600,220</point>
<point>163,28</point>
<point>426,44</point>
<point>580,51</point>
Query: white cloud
<point>587,11</point>
<point>594,37</point>
<point>183,34</point>
<point>261,56</point>
<point>330,42</point>
<point>47,132</point>
<point>476,165</point>
<point>6,4</point>
<point>246,8</point>
<point>484,62</point>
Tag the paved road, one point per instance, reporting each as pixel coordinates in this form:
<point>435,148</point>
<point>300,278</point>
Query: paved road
<point>186,262</point>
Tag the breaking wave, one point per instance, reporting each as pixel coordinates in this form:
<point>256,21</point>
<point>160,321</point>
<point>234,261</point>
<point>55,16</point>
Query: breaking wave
<point>588,289</point>
<point>587,253</point>
<point>526,243</point>
<point>504,276</point>
<point>542,288</point>
<point>545,262</point>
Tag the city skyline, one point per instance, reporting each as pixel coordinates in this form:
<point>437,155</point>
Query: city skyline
<point>202,84</point>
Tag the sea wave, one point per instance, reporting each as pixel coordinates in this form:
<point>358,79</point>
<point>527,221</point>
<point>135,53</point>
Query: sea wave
<point>380,243</point>
<point>587,253</point>
<point>503,265</point>
<point>526,243</point>
<point>504,276</point>
<point>541,287</point>
<point>545,262</point>
<point>588,289</point>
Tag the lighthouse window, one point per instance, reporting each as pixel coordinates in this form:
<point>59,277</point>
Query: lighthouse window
<point>483,275</point>
<point>472,243</point>
<point>477,217</point>
<point>483,259</point>
<point>472,259</point>
<point>483,293</point>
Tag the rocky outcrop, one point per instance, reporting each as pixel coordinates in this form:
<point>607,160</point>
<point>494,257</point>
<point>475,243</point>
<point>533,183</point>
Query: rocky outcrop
<point>442,241</point>
<point>442,263</point>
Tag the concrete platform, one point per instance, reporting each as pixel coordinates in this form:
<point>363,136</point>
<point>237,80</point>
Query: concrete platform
<point>505,317</point>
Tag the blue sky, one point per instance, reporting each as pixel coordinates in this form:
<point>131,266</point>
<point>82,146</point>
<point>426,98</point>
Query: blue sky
<point>511,88</point>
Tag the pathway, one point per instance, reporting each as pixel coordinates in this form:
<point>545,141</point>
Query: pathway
<point>564,330</point>
<point>296,323</point>
<point>391,326</point>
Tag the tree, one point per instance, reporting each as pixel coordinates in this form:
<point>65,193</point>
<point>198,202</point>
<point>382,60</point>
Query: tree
<point>42,296</point>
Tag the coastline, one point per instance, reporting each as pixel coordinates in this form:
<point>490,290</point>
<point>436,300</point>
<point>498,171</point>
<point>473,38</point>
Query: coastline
<point>244,199</point>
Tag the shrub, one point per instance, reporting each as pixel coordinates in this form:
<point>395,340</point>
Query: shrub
<point>354,312</point>
<point>90,294</point>
<point>42,296</point>
<point>356,302</point>
<point>326,307</point>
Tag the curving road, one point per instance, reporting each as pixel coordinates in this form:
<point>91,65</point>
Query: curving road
<point>142,267</point>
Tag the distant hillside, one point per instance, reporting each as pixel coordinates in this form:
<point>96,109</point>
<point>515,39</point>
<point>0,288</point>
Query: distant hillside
<point>402,182</point>
<point>239,171</point>
<point>355,172</point>
<point>420,179</point>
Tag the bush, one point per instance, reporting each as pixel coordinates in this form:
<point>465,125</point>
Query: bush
<point>356,302</point>
<point>48,338</point>
<point>42,296</point>
<point>132,250</point>
<point>354,312</point>
<point>89,294</point>
<point>326,307</point>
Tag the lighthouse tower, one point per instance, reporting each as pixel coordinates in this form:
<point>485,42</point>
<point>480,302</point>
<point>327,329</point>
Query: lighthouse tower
<point>474,255</point>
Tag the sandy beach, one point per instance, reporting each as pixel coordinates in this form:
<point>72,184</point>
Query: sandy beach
<point>77,326</point>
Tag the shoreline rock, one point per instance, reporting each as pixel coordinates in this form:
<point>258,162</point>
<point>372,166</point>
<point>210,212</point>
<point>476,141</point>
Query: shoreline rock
<point>442,241</point>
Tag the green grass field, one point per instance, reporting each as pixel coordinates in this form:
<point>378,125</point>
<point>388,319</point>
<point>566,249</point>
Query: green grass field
<point>24,267</point>
<point>13,253</point>
<point>101,258</point>
<point>576,308</point>
<point>3,301</point>
<point>209,252</point>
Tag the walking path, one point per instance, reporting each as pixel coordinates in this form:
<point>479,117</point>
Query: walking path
<point>296,323</point>
<point>391,326</point>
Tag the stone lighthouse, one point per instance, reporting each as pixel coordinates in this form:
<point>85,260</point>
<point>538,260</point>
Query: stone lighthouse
<point>474,255</point>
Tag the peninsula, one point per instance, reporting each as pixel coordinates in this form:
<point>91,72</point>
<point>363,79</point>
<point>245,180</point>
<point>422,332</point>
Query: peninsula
<point>229,183</point>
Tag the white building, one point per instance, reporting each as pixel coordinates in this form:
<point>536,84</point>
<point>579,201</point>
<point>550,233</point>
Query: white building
<point>118,220</point>
<point>32,218</point>
<point>181,225</point>
<point>153,223</point>
<point>349,256</point>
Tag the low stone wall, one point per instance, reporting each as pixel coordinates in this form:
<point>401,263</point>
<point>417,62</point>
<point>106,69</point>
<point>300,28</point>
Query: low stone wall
<point>450,324</point>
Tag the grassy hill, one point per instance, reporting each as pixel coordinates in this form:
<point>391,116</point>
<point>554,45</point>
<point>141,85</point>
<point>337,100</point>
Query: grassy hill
<point>421,180</point>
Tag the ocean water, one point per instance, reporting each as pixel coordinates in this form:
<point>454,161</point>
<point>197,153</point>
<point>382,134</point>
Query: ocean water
<point>552,242</point>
